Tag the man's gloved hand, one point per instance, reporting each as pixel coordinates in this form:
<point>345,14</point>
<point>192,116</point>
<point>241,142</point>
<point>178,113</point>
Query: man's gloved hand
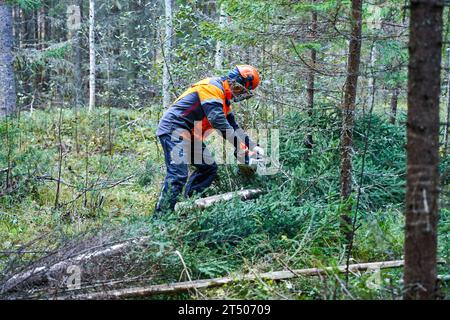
<point>259,151</point>
<point>256,158</point>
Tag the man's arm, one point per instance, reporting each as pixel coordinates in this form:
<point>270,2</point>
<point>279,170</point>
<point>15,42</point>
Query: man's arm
<point>218,121</point>
<point>211,99</point>
<point>241,133</point>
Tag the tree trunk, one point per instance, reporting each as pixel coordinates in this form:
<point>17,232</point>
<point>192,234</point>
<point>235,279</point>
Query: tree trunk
<point>311,73</point>
<point>372,79</point>
<point>146,291</point>
<point>422,184</point>
<point>394,103</point>
<point>218,62</point>
<point>74,24</point>
<point>448,100</point>
<point>29,27</point>
<point>91,54</point>
<point>46,37</point>
<point>167,52</point>
<point>15,19</point>
<point>7,83</point>
<point>36,28</point>
<point>348,113</point>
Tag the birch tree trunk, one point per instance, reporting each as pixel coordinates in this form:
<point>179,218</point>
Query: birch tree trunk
<point>372,79</point>
<point>448,101</point>
<point>348,113</point>
<point>7,83</point>
<point>167,52</point>
<point>218,61</point>
<point>91,54</point>
<point>422,182</point>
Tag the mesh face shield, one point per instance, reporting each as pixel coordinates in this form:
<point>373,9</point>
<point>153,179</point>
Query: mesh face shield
<point>241,86</point>
<point>244,93</point>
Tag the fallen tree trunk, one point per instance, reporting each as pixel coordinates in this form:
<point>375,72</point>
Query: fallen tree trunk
<point>209,201</point>
<point>41,274</point>
<point>210,283</point>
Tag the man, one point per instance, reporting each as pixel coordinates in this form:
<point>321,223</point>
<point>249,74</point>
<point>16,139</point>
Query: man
<point>205,105</point>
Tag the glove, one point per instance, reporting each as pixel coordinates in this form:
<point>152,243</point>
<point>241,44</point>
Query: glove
<point>256,157</point>
<point>259,151</point>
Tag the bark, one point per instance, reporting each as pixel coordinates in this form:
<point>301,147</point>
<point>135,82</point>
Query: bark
<point>146,291</point>
<point>16,34</point>
<point>77,71</point>
<point>47,26</point>
<point>42,39</point>
<point>7,82</point>
<point>39,25</point>
<point>394,103</point>
<point>209,201</point>
<point>218,62</point>
<point>372,79</point>
<point>348,112</point>
<point>311,75</point>
<point>39,275</point>
<point>167,51</point>
<point>74,34</point>
<point>91,54</point>
<point>36,28</point>
<point>422,184</point>
<point>22,28</point>
<point>448,100</point>
<point>28,27</point>
<point>25,71</point>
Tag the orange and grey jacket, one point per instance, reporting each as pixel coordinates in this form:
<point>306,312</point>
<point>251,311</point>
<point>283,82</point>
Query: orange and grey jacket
<point>205,105</point>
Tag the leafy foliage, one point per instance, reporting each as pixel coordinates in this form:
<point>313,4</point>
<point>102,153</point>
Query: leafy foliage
<point>26,4</point>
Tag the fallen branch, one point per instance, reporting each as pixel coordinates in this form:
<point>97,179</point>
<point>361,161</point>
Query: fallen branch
<point>41,274</point>
<point>210,283</point>
<point>209,201</point>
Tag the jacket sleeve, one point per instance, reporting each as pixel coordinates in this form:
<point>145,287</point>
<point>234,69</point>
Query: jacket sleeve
<point>217,118</point>
<point>211,99</point>
<point>239,132</point>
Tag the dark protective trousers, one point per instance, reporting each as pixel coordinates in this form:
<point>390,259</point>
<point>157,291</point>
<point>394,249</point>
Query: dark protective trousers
<point>178,154</point>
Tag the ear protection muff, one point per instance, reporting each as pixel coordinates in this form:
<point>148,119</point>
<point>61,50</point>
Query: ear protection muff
<point>249,81</point>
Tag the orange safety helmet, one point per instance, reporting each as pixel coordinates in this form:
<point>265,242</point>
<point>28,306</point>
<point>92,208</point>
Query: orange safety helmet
<point>250,76</point>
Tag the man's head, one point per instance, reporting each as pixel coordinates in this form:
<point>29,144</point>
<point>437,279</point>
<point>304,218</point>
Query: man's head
<point>243,79</point>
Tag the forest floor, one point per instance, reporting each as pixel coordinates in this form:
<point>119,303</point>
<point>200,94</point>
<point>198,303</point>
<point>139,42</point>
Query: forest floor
<point>110,169</point>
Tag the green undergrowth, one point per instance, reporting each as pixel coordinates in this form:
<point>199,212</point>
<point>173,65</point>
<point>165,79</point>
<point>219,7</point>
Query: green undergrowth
<point>111,173</point>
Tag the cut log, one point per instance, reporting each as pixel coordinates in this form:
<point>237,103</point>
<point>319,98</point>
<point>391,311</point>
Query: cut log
<point>209,201</point>
<point>146,291</point>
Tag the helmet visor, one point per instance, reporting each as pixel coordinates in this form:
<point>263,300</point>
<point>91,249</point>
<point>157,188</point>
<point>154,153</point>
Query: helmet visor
<point>240,93</point>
